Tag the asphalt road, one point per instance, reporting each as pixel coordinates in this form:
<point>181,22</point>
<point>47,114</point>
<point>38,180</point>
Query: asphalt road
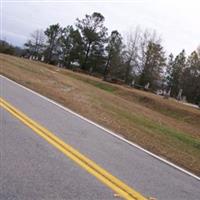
<point>30,168</point>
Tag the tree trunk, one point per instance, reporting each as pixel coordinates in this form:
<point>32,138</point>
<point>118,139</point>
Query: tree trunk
<point>107,64</point>
<point>127,73</point>
<point>86,57</point>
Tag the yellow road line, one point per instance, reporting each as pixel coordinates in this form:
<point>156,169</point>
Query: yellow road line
<point>104,176</point>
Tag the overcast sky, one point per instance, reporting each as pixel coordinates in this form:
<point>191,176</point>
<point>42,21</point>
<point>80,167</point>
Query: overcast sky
<point>176,21</point>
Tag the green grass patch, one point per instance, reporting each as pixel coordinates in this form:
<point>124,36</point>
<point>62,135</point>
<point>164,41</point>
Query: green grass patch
<point>98,84</point>
<point>152,127</point>
<point>175,113</point>
<point>103,86</point>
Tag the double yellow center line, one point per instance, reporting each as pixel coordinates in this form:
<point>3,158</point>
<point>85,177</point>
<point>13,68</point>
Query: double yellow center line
<point>104,176</point>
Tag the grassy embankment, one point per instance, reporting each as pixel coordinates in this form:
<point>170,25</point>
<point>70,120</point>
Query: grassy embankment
<point>165,127</point>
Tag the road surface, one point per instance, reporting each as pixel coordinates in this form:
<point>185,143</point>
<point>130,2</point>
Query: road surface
<point>31,168</point>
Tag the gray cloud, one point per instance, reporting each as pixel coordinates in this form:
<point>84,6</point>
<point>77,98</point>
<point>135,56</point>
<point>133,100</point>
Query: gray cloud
<point>176,21</point>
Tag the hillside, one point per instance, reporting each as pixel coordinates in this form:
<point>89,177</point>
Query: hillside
<point>165,127</point>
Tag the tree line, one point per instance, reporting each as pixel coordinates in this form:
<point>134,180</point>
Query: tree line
<point>7,48</point>
<point>137,59</point>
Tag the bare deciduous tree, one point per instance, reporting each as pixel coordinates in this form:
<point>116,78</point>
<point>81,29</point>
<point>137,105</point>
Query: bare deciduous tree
<point>137,42</point>
<point>36,44</point>
<point>132,52</point>
<point>198,50</point>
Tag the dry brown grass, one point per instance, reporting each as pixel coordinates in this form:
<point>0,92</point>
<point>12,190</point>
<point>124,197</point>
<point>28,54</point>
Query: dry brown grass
<point>165,127</point>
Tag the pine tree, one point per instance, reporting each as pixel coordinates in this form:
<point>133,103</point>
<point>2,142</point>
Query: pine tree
<point>93,34</point>
<point>153,66</point>
<point>53,34</point>
<point>114,52</point>
<point>176,73</point>
<point>191,78</point>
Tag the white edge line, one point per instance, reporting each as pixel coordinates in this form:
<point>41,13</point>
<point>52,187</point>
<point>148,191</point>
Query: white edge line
<point>107,130</point>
